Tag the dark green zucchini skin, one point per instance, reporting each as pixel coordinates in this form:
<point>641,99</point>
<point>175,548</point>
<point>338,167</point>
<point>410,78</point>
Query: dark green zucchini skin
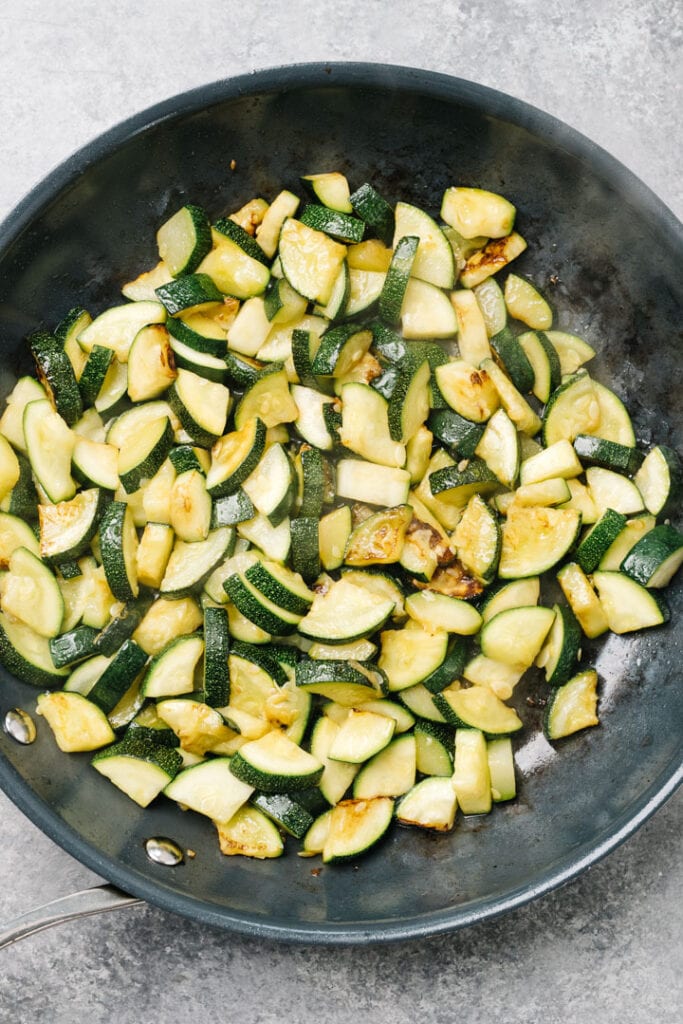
<point>56,374</point>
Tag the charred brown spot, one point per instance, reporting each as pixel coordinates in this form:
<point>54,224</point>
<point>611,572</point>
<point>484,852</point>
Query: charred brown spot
<point>433,539</point>
<point>452,581</point>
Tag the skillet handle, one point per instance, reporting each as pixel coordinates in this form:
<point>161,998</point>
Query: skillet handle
<point>85,903</point>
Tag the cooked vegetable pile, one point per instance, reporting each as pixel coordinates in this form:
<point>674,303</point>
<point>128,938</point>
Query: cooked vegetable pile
<point>274,530</point>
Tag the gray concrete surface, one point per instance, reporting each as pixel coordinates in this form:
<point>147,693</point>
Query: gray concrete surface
<point>608,947</point>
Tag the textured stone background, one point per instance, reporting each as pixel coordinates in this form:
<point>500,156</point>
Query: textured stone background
<point>606,948</point>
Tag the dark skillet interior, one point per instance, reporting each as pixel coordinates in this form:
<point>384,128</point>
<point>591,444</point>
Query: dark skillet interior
<point>616,252</point>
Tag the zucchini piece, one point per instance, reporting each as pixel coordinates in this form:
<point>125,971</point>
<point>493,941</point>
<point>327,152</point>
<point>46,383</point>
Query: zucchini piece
<point>562,647</point>
<point>184,240</point>
<point>501,679</point>
<point>418,453</point>
<point>390,772</point>
<point>201,405</point>
<point>26,655</point>
<point>515,636</point>
<point>189,508</point>
<point>210,788</point>
<point>285,811</point>
<point>491,302</point>
<point>338,681</point>
<point>426,312</point>
<point>27,389</point>
<point>544,362</point>
<point>67,528</point>
<point>66,333</point>
<point>234,457</point>
<point>411,655</point>
<point>557,460</point>
<point>461,436</point>
<point>598,539</point>
<point>268,399</point>
<point>474,212</point>
<point>142,457</point>
<point>345,612</point>
<point>433,261</point>
<point>572,351</point>
<point>95,464</point>
<point>477,540</point>
<point>656,557</point>
<point>379,539</point>
<point>612,490</point>
<point>361,735</point>
<point>340,226</point>
<point>501,770</point>
<point>477,707</point>
<point>495,255</point>
<point>500,449</point>
<point>274,541</point>
<point>280,585</point>
<point>231,510</point>
<point>365,425</point>
<point>372,484</point>
<point>365,288</point>
<point>191,564</point>
<point>582,599</point>
<point>271,485</point>
<point>250,328</point>
<point>332,189</point>
<point>396,281</point>
<point>120,628</point>
<point>356,826</point>
<point>430,804</point>
<point>232,270</point>
<point>455,485</point>
<point>118,544</point>
<point>49,445</point>
<point>471,776</point>
<point>525,303</point>
<point>31,594</point>
<point>74,646</point>
<point>139,769</point>
<point>199,333</point>
<point>118,676</point>
<point>315,472</point>
<point>204,364</point>
<point>94,373</point>
<point>468,391</point>
<point>148,726</point>
<point>117,327</point>
<point>436,612</point>
<point>200,729</point>
<point>378,583</point>
<point>571,410</point>
<point>113,388</point>
<point>249,833</point>
<point>337,776</point>
<point>151,365</point>
<point>627,604</point>
<point>659,480</point>
<point>596,451</point>
<point>572,707</point>
<point>259,609</point>
<point>310,421</point>
<point>281,303</point>
<point>515,594</point>
<point>216,678</point>
<point>634,529</point>
<point>268,231</point>
<point>434,748</point>
<point>305,549</point>
<point>229,227</point>
<point>143,287</point>
<point>358,650</point>
<point>371,207</point>
<point>21,499</point>
<point>535,539</point>
<point>164,620</point>
<point>311,261</point>
<point>515,405</point>
<point>340,350</point>
<point>473,339</point>
<point>77,724</point>
<point>418,699</point>
<point>334,531</point>
<point>172,671</point>
<point>513,359</point>
<point>275,764</point>
<point>450,668</point>
<point>56,374</point>
<point>409,403</point>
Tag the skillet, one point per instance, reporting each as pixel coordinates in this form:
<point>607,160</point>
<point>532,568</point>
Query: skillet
<point>605,250</point>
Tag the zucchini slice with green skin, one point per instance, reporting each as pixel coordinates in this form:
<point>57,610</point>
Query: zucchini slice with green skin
<point>67,528</point>
<point>346,612</point>
<point>172,672</point>
<point>434,257</point>
<point>119,544</point>
<point>411,655</point>
<point>534,539</point>
<point>356,826</point>
<point>332,189</point>
<point>143,456</point>
<point>120,628</point>
<point>283,206</point>
<point>271,485</point>
<point>229,228</point>
<point>456,485</point>
<point>633,531</point>
<point>499,448</point>
<point>544,362</point>
<point>311,260</point>
<point>95,464</point>
<point>184,239</point>
<point>216,678</point>
<point>572,351</point>
<point>231,510</point>
<point>117,327</point>
<point>334,531</point>
<point>77,724</point>
<point>515,594</point>
<point>66,333</point>
<point>84,676</point>
<point>94,373</point>
<point>314,475</point>
<point>471,775</point>
<point>515,636</point>
<point>337,776</point>
<point>409,403</point>
<point>495,255</point>
<point>27,389</point>
<point>268,399</point>
<point>371,207</point>
<point>514,359</point>
<point>305,550</point>
<point>474,212</point>
<point>573,706</point>
<point>274,541</point>
<point>285,811</point>
<point>582,599</point>
<point>431,804</point>
<point>656,557</point>
<point>56,374</point>
<point>151,363</point>
<point>210,788</point>
<point>434,748</point>
<point>627,604</point>
<point>562,647</point>
<point>469,391</point>
<point>557,460</point>
<point>339,681</point>
<point>190,507</point>
<point>274,764</point>
<point>596,451</point>
<point>572,409</point>
<point>191,292</point>
<point>74,646</point>
<point>419,701</point>
<point>461,436</point>
<point>450,668</point>
<point>361,735</point>
<point>26,655</point>
<point>22,499</point>
<point>599,538</point>
<point>259,609</point>
<point>440,612</point>
<point>281,585</point>
<point>139,769</point>
<point>234,457</point>
<point>250,329</point>
<point>204,364</point>
<point>426,312</point>
<point>390,772</point>
<point>660,480</point>
<point>201,405</point>
<point>477,540</point>
<point>234,271</point>
<point>365,288</point>
<point>340,226</point>
<point>501,770</point>
<point>477,707</point>
<point>396,281</point>
<point>249,833</point>
<point>525,303</point>
<point>341,348</point>
<point>199,334</point>
<point>49,445</point>
<point>310,420</point>
<point>365,425</point>
<point>118,676</point>
<point>31,593</point>
<point>372,484</point>
<point>281,303</point>
<point>613,490</point>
